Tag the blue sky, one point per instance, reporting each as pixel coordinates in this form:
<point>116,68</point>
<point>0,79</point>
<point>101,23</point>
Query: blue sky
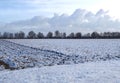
<point>12,10</point>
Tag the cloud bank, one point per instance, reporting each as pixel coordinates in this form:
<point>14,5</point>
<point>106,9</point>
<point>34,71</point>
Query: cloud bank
<point>81,20</point>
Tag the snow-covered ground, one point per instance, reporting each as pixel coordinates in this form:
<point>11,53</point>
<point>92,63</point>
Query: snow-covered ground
<point>93,72</point>
<point>16,56</point>
<point>23,56</point>
<point>75,46</point>
<point>90,61</point>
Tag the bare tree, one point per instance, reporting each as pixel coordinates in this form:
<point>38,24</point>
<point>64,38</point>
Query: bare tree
<point>5,35</point>
<point>16,35</point>
<point>11,36</point>
<point>95,35</point>
<point>78,35</point>
<point>40,35</point>
<point>31,35</point>
<point>49,35</point>
<point>57,34</point>
<point>64,35</point>
<point>71,35</point>
<point>21,35</point>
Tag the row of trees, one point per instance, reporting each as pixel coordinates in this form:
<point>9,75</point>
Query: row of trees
<point>58,35</point>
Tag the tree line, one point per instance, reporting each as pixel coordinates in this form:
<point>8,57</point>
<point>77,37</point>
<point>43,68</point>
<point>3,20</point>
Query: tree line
<point>59,35</point>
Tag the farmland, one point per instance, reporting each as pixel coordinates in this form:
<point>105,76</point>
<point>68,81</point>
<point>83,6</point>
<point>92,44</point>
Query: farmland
<point>49,60</point>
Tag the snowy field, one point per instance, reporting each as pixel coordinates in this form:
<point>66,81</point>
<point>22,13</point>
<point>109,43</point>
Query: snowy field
<point>84,47</point>
<point>60,61</point>
<point>93,72</point>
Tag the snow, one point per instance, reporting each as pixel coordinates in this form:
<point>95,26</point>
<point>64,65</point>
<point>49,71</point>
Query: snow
<point>20,56</point>
<point>93,72</point>
<point>85,47</point>
<point>60,61</point>
<point>17,56</point>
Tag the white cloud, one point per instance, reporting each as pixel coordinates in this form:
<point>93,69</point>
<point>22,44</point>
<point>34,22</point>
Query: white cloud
<point>28,8</point>
<point>81,20</point>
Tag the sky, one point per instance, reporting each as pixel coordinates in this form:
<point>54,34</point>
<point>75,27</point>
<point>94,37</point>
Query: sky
<point>12,10</point>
